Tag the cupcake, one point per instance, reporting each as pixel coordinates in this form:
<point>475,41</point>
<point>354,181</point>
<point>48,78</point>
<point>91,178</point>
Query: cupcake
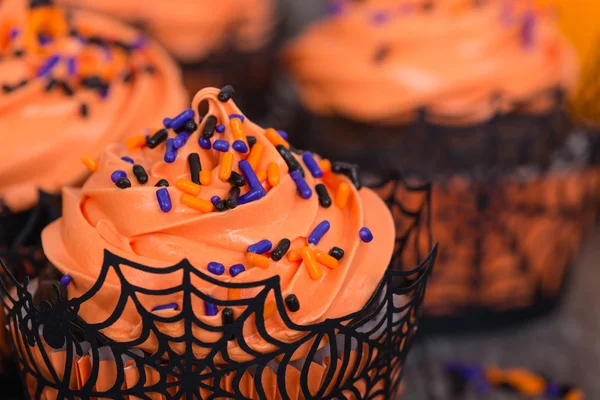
<point>469,95</point>
<point>218,43</point>
<point>223,263</point>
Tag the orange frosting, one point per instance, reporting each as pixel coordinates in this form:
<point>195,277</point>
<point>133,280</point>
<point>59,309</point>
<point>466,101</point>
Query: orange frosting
<point>462,61</point>
<point>193,29</point>
<point>44,132</point>
<point>129,223</point>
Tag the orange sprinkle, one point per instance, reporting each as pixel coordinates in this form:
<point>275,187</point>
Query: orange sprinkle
<point>255,155</point>
<point>226,166</point>
<point>270,309</point>
<point>237,130</point>
<point>273,174</point>
<point>135,142</point>
<point>310,262</point>
<point>275,138</point>
<point>294,255</point>
<point>234,294</point>
<point>205,177</point>
<point>257,260</point>
<point>196,203</point>
<point>325,165</point>
<point>342,195</point>
<point>90,163</point>
<point>188,187</point>
<point>262,176</point>
<point>325,259</point>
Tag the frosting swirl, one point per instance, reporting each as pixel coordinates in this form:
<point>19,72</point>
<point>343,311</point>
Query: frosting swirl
<point>133,224</point>
<point>71,85</point>
<point>462,61</point>
<point>193,29</point>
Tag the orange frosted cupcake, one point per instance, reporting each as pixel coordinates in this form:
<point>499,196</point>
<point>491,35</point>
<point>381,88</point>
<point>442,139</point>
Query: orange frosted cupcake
<point>471,95</point>
<point>221,262</point>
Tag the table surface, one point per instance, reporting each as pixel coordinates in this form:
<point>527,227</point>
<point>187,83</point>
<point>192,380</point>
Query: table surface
<point>564,345</point>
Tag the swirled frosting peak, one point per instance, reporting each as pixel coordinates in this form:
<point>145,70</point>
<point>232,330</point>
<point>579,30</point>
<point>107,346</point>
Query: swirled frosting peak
<point>461,61</point>
<point>239,204</point>
<point>70,83</point>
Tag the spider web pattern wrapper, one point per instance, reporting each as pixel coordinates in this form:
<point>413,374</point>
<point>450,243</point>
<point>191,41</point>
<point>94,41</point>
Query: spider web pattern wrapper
<point>358,356</point>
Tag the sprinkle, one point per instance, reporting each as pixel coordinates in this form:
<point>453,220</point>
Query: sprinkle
<point>118,174</point>
<point>205,177</point>
<point>204,143</point>
<point>240,146</point>
<point>260,248</point>
<point>221,145</point>
<point>380,17</point>
<point>123,183</point>
<point>227,316</point>
<point>349,170</point>
<point>180,140</point>
<point>236,269</point>
<point>283,134</point>
<point>190,126</point>
<point>210,309</point>
<point>290,160</point>
<point>220,128</point>
<point>49,86</point>
<point>250,176</point>
<point>170,152</point>
<point>292,303</point>
<point>275,138</point>
<point>342,195</point>
<point>326,259</point>
<point>188,187</point>
<point>196,203</point>
<point>135,142</point>
<point>83,110</point>
<point>167,122</point>
<point>221,205</point>
<point>252,195</point>
<point>215,199</point>
<point>157,138</point>
<point>182,118</point>
<point>48,65</point>
<point>72,66</point>
<point>257,260</point>
<point>528,29</point>
<point>236,179</point>
<point>226,93</point>
<point>170,306</point>
<point>164,200</point>
<point>279,251</point>
<point>255,155</point>
<point>323,194</point>
<point>273,174</point>
<point>310,262</point>
<point>65,280</point>
<point>237,116</point>
<point>162,183</point>
<point>226,166</point>
<point>90,163</point>
<point>67,89</point>
<point>209,127</point>
<point>365,235</point>
<point>318,233</point>
<point>237,130</point>
<point>294,255</point>
<point>251,141</point>
<point>336,253</point>
<point>127,159</point>
<point>195,167</point>
<point>312,164</point>
<point>303,189</point>
<point>232,197</point>
<point>325,166</point>
<point>92,82</point>
<point>140,174</point>
<point>216,268</point>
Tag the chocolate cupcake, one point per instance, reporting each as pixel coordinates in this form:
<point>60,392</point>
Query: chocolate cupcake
<point>221,262</point>
<point>469,95</point>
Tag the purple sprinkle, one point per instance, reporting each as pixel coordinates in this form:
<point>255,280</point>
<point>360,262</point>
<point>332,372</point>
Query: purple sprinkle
<point>553,390</point>
<point>284,135</point>
<point>72,66</point>
<point>220,128</point>
<point>240,146</point>
<point>236,269</point>
<point>528,29</point>
<point>215,199</point>
<point>65,280</point>
<point>303,189</point>
<point>118,174</point>
<point>312,164</point>
<point>170,306</point>
<point>48,65</point>
<point>318,233</point>
<point>216,268</point>
<point>171,152</point>
<point>164,199</point>
<point>181,140</point>
<point>127,159</point>
<point>240,116</point>
<point>261,247</point>
<point>252,195</point>
<point>204,143</point>
<point>167,122</point>
<point>380,18</point>
<point>200,119</point>
<point>182,118</point>
<point>365,234</point>
<point>14,33</point>
<point>139,42</point>
<point>104,92</point>
<point>250,176</point>
<point>210,309</point>
<point>221,145</point>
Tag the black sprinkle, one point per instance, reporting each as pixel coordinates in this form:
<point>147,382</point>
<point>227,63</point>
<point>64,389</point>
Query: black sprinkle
<point>123,46</point>
<point>236,179</point>
<point>226,93</point>
<point>232,197</point>
<point>123,183</point>
<point>349,170</point>
<point>83,110</point>
<point>21,84</point>
<point>39,3</point>
<point>67,89</point>
<point>336,253</point>
<point>281,249</point>
<point>227,316</point>
<point>19,53</point>
<point>157,138</point>
<point>73,32</point>
<point>96,40</point>
<point>221,205</point>
<point>195,167</point>
<point>295,150</point>
<point>92,82</point>
<point>292,303</point>
<point>190,126</point>
<point>149,69</point>
<point>127,76</point>
<point>251,141</point>
<point>382,53</point>
<point>290,160</point>
<point>323,194</point>
<point>161,183</point>
<point>209,126</point>
<point>140,174</point>
<point>50,85</point>
<point>7,88</point>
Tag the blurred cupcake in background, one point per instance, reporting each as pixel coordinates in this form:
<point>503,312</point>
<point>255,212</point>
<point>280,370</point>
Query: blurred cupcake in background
<point>469,94</point>
<point>218,42</point>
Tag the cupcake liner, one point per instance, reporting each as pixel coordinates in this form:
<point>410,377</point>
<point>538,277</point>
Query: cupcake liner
<point>360,355</point>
